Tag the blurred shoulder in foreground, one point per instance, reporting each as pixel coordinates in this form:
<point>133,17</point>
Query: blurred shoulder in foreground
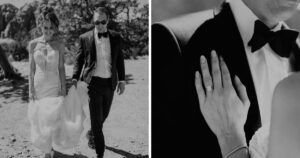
<point>285,127</point>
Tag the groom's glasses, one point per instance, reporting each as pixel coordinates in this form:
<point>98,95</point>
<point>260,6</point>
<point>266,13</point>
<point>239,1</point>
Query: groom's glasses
<point>103,22</point>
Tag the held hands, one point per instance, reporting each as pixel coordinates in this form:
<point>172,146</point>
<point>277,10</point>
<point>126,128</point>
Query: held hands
<point>121,87</point>
<point>62,92</point>
<point>32,95</point>
<point>74,82</point>
<point>224,109</point>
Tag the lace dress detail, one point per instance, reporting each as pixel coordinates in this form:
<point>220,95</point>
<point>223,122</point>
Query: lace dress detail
<point>56,121</point>
<point>258,145</point>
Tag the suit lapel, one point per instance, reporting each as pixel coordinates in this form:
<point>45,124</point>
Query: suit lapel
<point>92,45</point>
<point>230,46</point>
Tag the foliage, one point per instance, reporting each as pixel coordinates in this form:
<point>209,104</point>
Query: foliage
<point>7,12</point>
<point>128,17</point>
<point>13,49</point>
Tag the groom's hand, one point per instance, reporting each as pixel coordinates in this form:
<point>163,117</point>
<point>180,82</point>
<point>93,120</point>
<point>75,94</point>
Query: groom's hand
<point>121,87</point>
<point>32,94</point>
<point>224,110</point>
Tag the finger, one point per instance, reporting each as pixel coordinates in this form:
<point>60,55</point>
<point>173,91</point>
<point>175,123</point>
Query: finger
<point>241,91</point>
<point>199,88</point>
<point>226,80</point>
<point>206,75</point>
<point>216,74</point>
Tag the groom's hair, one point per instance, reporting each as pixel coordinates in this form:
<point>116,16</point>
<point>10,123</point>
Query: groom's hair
<point>101,10</point>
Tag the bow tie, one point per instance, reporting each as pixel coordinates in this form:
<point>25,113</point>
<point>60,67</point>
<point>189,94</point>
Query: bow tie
<point>280,41</point>
<point>104,34</point>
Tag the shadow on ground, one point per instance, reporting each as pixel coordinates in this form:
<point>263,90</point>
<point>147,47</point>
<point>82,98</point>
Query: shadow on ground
<point>125,153</point>
<point>18,89</point>
<point>14,88</point>
<point>128,79</point>
<point>61,155</point>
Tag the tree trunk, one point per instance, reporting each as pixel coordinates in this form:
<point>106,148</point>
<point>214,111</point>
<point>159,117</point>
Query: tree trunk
<point>7,70</point>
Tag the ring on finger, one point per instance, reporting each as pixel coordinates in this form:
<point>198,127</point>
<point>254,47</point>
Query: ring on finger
<point>208,88</point>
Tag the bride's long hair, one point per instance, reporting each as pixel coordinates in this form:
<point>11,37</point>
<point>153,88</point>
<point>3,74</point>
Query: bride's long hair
<point>46,13</point>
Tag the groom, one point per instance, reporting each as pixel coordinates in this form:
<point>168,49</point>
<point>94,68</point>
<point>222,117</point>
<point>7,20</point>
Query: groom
<point>100,63</point>
<point>257,47</point>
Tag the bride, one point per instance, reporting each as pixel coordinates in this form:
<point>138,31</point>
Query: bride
<point>224,105</point>
<point>53,116</point>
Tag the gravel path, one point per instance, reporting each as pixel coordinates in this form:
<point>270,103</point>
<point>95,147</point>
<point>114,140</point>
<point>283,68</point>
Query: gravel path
<point>125,130</point>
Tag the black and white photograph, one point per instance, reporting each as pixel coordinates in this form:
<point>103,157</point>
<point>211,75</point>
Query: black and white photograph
<point>74,79</point>
<point>225,80</point>
<point>149,78</point>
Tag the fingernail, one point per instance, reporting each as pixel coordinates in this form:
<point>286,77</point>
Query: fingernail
<point>197,74</point>
<point>202,58</point>
<point>221,59</point>
<point>213,54</point>
<point>236,78</point>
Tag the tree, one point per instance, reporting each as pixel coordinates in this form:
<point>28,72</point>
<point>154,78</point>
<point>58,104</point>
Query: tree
<point>127,17</point>
<point>7,12</point>
<point>6,69</point>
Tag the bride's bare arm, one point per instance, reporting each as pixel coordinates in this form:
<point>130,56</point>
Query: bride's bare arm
<point>31,46</point>
<point>62,72</point>
<point>285,120</point>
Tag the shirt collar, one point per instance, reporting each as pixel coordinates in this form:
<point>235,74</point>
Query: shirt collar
<point>96,32</point>
<point>245,20</point>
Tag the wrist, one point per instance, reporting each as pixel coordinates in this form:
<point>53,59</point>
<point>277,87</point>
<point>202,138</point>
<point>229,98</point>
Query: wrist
<point>231,140</point>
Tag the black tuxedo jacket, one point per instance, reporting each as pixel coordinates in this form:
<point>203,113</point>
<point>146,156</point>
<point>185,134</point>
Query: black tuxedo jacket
<point>178,127</point>
<point>86,58</point>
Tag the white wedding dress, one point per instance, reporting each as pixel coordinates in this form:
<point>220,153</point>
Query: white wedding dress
<point>258,145</point>
<point>56,121</point>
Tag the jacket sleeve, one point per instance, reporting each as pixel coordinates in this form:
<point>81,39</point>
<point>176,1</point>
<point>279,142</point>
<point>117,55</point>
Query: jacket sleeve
<point>120,62</point>
<point>166,88</point>
<point>79,61</point>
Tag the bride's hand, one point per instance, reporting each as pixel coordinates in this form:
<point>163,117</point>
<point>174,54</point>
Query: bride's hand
<point>32,94</point>
<point>225,110</point>
<point>62,92</point>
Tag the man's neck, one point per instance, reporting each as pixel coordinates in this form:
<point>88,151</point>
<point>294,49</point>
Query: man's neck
<point>259,9</point>
<point>102,31</point>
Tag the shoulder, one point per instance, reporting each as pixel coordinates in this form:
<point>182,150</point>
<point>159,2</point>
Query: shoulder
<point>32,44</point>
<point>185,25</point>
<point>87,34</point>
<point>286,95</point>
<point>284,132</point>
<point>115,33</point>
<point>288,86</point>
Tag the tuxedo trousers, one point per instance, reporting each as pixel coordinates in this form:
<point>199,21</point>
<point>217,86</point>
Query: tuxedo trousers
<point>101,96</point>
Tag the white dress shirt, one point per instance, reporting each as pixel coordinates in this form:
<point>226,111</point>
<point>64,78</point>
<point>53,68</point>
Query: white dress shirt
<point>267,68</point>
<point>103,51</point>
